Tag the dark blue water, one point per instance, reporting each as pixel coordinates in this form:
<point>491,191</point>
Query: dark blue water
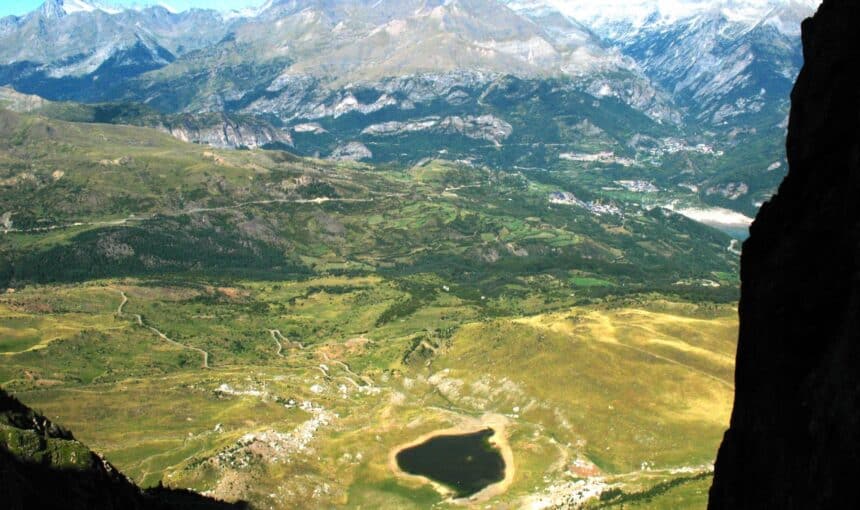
<point>465,463</point>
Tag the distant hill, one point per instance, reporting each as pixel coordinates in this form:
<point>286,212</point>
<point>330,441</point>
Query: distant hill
<point>89,200</point>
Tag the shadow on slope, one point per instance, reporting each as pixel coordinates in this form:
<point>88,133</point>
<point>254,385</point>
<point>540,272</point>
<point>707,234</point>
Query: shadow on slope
<point>43,467</point>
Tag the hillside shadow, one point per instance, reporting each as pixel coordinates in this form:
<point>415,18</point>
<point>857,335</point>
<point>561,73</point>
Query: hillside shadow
<point>32,480</point>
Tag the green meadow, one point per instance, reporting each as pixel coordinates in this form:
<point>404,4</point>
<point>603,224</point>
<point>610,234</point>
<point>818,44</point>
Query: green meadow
<point>262,327</point>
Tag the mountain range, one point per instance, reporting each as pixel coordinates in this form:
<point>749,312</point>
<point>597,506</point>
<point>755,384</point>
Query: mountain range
<point>517,83</point>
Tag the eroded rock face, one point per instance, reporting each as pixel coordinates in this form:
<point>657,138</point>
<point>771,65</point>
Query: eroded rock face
<point>484,127</point>
<point>794,441</point>
<point>352,151</point>
<point>224,132</point>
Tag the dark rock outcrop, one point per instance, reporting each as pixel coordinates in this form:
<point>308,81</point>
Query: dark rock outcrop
<point>43,467</point>
<point>794,440</point>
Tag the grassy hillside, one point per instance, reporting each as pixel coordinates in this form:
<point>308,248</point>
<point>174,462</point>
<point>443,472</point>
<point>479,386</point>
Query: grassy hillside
<point>269,328</point>
<point>88,200</point>
<point>630,390</point>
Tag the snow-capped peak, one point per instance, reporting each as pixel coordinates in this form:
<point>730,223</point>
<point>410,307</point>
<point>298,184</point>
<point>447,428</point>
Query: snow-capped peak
<point>72,6</point>
<point>59,8</point>
<point>637,13</point>
<point>248,12</point>
<point>265,6</point>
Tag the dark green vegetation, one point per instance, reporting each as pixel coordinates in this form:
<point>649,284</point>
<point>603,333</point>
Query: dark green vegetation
<point>95,201</point>
<point>467,463</point>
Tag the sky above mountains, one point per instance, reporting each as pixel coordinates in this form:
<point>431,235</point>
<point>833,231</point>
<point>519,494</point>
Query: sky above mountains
<point>740,10</point>
<point>581,9</point>
<point>19,7</point>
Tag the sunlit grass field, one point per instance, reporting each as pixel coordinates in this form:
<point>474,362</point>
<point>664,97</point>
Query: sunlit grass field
<point>262,327</point>
<point>634,391</point>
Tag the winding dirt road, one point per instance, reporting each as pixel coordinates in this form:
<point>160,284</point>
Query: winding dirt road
<point>275,333</point>
<point>367,380</point>
<point>280,339</point>
<point>139,319</point>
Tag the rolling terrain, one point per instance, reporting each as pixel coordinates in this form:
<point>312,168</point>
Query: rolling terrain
<point>254,254</point>
<point>257,326</point>
<point>310,420</point>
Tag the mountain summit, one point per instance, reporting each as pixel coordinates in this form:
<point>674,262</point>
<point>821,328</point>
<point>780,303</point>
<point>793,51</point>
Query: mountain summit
<point>60,8</point>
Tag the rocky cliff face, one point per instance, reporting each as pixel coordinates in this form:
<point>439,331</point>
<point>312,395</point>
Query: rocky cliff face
<point>794,441</point>
<point>221,130</point>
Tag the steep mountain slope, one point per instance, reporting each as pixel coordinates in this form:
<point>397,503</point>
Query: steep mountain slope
<point>346,40</point>
<point>725,63</point>
<point>720,64</point>
<point>794,432</point>
<point>476,35</point>
<point>60,30</point>
<point>723,70</point>
<point>731,74</point>
<point>727,66</point>
<point>294,63</point>
<point>333,45</point>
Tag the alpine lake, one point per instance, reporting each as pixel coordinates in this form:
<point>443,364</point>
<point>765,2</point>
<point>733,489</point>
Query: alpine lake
<point>464,463</point>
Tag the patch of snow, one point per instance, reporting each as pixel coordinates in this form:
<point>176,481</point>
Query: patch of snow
<point>608,16</point>
<point>604,91</point>
<point>73,6</point>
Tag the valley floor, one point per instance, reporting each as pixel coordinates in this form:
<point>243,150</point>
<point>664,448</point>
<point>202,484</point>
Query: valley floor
<point>293,394</point>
